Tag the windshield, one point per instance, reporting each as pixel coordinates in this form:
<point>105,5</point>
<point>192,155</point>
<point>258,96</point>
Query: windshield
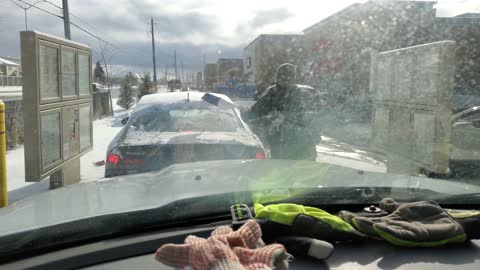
<point>185,120</point>
<point>134,105</point>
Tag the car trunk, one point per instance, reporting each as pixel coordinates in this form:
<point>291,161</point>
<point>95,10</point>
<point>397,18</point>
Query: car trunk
<point>141,158</point>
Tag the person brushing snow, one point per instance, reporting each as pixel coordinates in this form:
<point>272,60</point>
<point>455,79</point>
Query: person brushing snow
<point>284,116</point>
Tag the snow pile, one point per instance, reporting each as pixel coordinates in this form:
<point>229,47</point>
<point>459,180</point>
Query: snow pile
<point>10,91</point>
<point>334,152</point>
<point>176,97</point>
<point>103,132</point>
<point>16,169</point>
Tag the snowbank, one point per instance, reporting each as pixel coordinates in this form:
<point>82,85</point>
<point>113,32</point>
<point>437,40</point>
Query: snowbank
<point>103,132</point>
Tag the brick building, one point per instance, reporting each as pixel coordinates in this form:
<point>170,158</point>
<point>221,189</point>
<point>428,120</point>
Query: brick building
<point>229,68</point>
<point>266,52</point>
<point>337,49</point>
<point>210,76</point>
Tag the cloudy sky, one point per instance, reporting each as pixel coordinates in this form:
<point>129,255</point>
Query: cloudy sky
<point>216,28</point>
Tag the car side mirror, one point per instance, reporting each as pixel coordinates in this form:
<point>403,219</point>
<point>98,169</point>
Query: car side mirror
<point>125,120</point>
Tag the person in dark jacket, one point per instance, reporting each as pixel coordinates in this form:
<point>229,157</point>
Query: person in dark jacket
<point>283,116</point>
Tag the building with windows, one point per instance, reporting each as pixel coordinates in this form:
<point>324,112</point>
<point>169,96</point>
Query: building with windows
<point>266,52</point>
<point>228,69</point>
<point>199,80</point>
<point>338,48</point>
<point>210,76</point>
<point>465,30</point>
<point>9,67</point>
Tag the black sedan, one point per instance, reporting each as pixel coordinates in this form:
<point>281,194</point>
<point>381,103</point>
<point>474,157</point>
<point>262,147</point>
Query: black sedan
<point>170,128</point>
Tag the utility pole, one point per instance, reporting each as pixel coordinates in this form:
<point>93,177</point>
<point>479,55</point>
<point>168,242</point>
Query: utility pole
<point>66,19</point>
<point>175,61</point>
<point>183,78</point>
<point>203,71</point>
<point>153,52</point>
<point>166,73</point>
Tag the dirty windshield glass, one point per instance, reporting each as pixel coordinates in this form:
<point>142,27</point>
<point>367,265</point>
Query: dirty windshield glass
<point>128,105</point>
<point>185,120</point>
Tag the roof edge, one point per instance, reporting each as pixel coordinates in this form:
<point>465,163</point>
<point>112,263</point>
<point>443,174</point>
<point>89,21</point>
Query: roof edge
<point>266,35</point>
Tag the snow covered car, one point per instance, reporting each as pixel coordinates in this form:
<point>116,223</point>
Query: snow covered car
<point>170,128</point>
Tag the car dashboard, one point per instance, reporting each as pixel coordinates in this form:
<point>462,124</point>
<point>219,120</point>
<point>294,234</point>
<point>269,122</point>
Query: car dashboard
<point>137,252</point>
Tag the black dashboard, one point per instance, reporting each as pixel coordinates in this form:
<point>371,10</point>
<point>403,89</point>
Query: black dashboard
<point>137,252</point>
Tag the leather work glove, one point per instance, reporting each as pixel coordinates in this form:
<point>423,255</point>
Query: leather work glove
<point>287,219</point>
<point>417,224</point>
<point>225,249</point>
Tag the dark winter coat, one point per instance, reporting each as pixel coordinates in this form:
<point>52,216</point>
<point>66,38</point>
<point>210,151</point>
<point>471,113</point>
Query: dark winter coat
<point>283,117</point>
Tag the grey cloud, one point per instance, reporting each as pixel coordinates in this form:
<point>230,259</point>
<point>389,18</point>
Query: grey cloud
<point>266,17</point>
<point>12,22</point>
<point>253,28</point>
<point>186,24</point>
<point>167,25</point>
<point>135,53</point>
<point>190,54</point>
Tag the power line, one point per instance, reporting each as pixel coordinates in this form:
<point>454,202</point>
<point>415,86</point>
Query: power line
<point>84,22</point>
<point>78,26</point>
<point>93,35</point>
<point>81,20</point>
<point>96,30</point>
<point>74,24</point>
<point>17,4</point>
<point>46,11</point>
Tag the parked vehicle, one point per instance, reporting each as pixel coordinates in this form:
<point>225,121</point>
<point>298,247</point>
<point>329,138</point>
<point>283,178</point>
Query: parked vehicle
<point>169,128</point>
<point>464,159</point>
<point>245,90</point>
<point>465,153</point>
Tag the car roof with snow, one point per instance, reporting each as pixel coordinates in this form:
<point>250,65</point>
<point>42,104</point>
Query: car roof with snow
<point>175,97</point>
<point>171,100</point>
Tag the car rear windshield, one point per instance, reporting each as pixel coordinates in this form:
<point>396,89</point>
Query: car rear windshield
<point>186,120</point>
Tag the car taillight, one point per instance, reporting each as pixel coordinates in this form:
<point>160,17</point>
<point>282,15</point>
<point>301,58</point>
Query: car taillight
<point>260,155</point>
<point>113,159</point>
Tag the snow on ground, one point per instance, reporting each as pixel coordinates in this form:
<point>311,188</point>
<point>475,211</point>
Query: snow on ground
<point>16,169</point>
<point>333,152</point>
<point>103,132</point>
<point>8,92</point>
<point>10,89</point>
<point>17,187</point>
